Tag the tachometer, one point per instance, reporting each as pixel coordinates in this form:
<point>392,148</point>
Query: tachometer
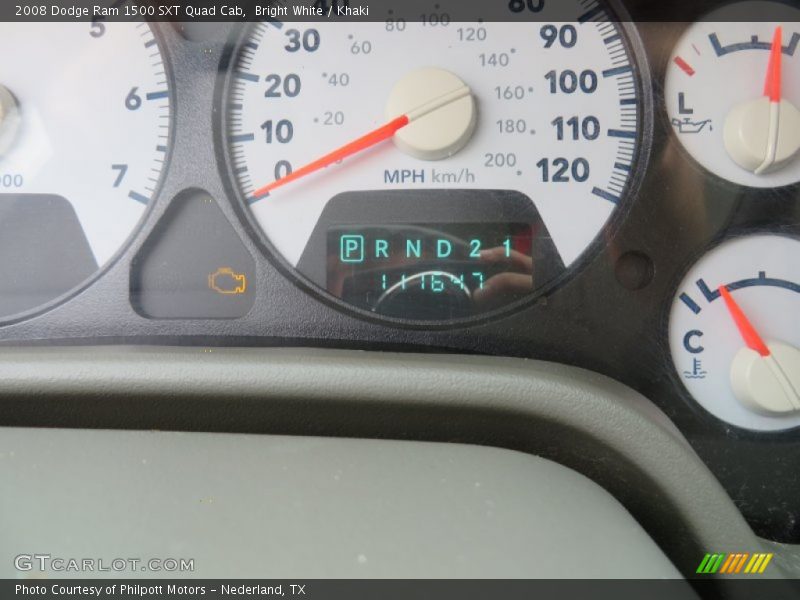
<point>84,133</point>
<point>434,172</point>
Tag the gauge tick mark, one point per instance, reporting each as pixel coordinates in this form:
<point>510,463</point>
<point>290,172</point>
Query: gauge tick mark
<point>688,301</point>
<point>617,71</point>
<point>605,195</point>
<point>244,137</point>
<point>139,197</point>
<point>246,76</point>
<point>590,14</point>
<point>157,95</point>
<point>684,66</point>
<point>619,133</point>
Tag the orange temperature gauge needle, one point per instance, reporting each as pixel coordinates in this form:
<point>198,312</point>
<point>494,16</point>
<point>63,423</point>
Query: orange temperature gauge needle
<point>772,86</point>
<point>749,334</point>
<point>367,141</point>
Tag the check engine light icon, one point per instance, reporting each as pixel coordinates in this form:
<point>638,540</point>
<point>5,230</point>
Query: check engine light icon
<point>227,282</point>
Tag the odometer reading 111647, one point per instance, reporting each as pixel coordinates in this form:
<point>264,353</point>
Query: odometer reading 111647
<point>323,116</point>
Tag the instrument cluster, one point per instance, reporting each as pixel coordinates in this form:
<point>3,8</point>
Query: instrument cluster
<point>589,184</point>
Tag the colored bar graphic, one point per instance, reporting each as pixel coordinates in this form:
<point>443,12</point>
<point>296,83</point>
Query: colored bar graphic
<point>767,558</point>
<point>710,563</point>
<point>729,562</point>
<point>734,562</point>
<point>741,562</point>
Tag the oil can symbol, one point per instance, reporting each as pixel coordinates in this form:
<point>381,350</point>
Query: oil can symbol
<point>686,125</point>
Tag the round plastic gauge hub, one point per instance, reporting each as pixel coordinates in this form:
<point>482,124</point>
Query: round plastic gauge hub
<point>434,174</point>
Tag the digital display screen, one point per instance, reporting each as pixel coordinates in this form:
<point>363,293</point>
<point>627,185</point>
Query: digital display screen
<point>430,271</point>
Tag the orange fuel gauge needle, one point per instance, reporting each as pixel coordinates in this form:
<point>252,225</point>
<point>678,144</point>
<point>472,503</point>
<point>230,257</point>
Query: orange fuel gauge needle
<point>773,84</point>
<point>366,141</point>
<point>763,135</point>
<point>749,334</point>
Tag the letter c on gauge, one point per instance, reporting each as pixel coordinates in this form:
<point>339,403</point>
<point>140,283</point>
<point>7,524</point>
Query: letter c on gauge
<point>687,341</point>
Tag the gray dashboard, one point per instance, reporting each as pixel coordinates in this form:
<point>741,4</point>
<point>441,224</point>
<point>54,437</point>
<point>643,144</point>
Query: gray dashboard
<point>579,419</point>
<point>263,507</point>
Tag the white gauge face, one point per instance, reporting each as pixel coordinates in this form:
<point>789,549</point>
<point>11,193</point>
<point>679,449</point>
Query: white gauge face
<point>85,117</point>
<point>549,111</point>
<point>743,386</point>
<point>727,105</point>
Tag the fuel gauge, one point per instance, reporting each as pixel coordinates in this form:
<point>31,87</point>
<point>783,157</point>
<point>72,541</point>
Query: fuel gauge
<point>732,92</point>
<point>735,332</point>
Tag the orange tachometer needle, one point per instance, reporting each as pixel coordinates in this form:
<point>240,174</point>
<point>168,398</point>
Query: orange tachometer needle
<point>367,141</point>
<point>772,87</point>
<point>746,329</point>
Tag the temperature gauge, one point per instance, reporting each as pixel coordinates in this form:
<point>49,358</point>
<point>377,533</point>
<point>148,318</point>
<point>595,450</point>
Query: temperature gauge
<point>733,93</point>
<point>735,333</point>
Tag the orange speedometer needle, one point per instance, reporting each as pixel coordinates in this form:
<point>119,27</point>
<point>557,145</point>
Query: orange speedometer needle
<point>749,334</point>
<point>366,141</point>
<point>772,86</point>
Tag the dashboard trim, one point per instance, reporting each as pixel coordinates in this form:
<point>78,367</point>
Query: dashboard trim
<point>616,437</point>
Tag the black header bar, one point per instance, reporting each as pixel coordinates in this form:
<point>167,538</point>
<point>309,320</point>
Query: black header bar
<point>432,12</point>
<point>388,589</point>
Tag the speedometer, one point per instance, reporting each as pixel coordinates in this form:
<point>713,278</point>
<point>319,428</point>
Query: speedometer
<point>434,171</point>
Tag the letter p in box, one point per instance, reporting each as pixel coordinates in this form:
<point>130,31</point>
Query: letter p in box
<point>352,249</point>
